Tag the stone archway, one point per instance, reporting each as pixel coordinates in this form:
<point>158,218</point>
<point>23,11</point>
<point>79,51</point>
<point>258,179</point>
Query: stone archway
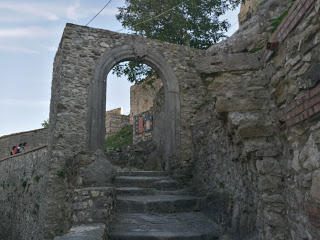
<point>77,108</point>
<point>97,96</point>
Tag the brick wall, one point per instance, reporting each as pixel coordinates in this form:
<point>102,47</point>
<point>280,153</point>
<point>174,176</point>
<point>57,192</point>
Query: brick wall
<point>302,108</point>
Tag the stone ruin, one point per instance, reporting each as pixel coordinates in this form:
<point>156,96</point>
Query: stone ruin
<point>240,120</point>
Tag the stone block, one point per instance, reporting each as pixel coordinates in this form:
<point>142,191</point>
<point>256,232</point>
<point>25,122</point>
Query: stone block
<point>266,183</point>
<point>267,165</point>
<point>311,77</point>
<point>224,104</point>
<point>239,118</point>
<point>295,163</point>
<point>310,154</point>
<point>229,62</point>
<point>315,187</point>
<point>275,219</point>
<point>256,131</point>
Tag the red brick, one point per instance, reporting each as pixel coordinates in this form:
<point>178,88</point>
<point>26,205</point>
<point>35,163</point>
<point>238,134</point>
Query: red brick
<point>312,209</point>
<point>280,113</point>
<point>298,110</point>
<point>288,116</point>
<point>289,123</point>
<point>294,6</point>
<point>308,104</point>
<point>302,99</point>
<point>316,108</point>
<point>308,113</point>
<point>309,3</point>
<point>314,218</point>
<point>315,100</point>
<point>290,107</point>
<point>315,91</point>
<point>295,119</point>
<point>315,225</point>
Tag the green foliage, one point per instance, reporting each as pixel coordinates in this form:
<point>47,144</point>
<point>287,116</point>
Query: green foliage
<point>45,123</point>
<point>121,138</point>
<point>214,74</point>
<point>61,174</point>
<point>24,183</point>
<point>201,106</point>
<point>37,178</point>
<point>135,72</point>
<point>193,23</point>
<point>277,21</point>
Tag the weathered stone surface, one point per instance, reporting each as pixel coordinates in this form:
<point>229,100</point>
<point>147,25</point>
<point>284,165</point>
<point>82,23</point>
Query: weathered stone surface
<point>115,121</point>
<point>98,172</point>
<point>85,232</point>
<point>310,155</point>
<point>315,188</point>
<point>224,104</point>
<point>94,204</point>
<point>22,190</point>
<point>269,182</point>
<point>229,62</point>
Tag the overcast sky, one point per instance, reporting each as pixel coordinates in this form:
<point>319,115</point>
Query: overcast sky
<point>30,32</point>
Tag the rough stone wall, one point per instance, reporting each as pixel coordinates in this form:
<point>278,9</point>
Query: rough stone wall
<point>248,9</point>
<point>260,175</point>
<point>115,121</point>
<point>295,88</point>
<point>33,138</point>
<point>142,96</point>
<point>22,189</point>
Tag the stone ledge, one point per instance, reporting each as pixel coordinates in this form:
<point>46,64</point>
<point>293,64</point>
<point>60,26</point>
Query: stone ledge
<point>229,62</point>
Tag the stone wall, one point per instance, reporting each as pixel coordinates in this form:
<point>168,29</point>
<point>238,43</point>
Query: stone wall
<point>22,189</point>
<point>248,9</point>
<point>142,96</point>
<point>77,110</point>
<point>256,134</point>
<point>295,89</point>
<point>115,121</point>
<point>33,138</point>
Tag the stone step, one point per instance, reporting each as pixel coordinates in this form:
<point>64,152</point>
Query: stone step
<point>158,204</point>
<point>136,191</point>
<point>85,232</point>
<point>146,182</point>
<point>142,173</point>
<point>93,204</point>
<point>174,226</point>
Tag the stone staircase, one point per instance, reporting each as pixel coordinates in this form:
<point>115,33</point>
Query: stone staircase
<point>151,205</point>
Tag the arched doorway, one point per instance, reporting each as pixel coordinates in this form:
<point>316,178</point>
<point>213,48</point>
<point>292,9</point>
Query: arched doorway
<point>97,96</point>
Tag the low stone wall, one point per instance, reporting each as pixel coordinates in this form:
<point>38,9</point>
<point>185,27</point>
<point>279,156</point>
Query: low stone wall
<point>33,138</point>
<point>22,189</point>
<point>115,121</point>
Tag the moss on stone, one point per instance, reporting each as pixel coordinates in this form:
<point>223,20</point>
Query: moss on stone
<point>120,139</point>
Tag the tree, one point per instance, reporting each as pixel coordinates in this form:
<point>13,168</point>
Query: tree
<point>45,123</point>
<point>193,23</point>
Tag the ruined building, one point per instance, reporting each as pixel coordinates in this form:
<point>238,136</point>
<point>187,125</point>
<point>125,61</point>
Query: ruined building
<point>235,133</point>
